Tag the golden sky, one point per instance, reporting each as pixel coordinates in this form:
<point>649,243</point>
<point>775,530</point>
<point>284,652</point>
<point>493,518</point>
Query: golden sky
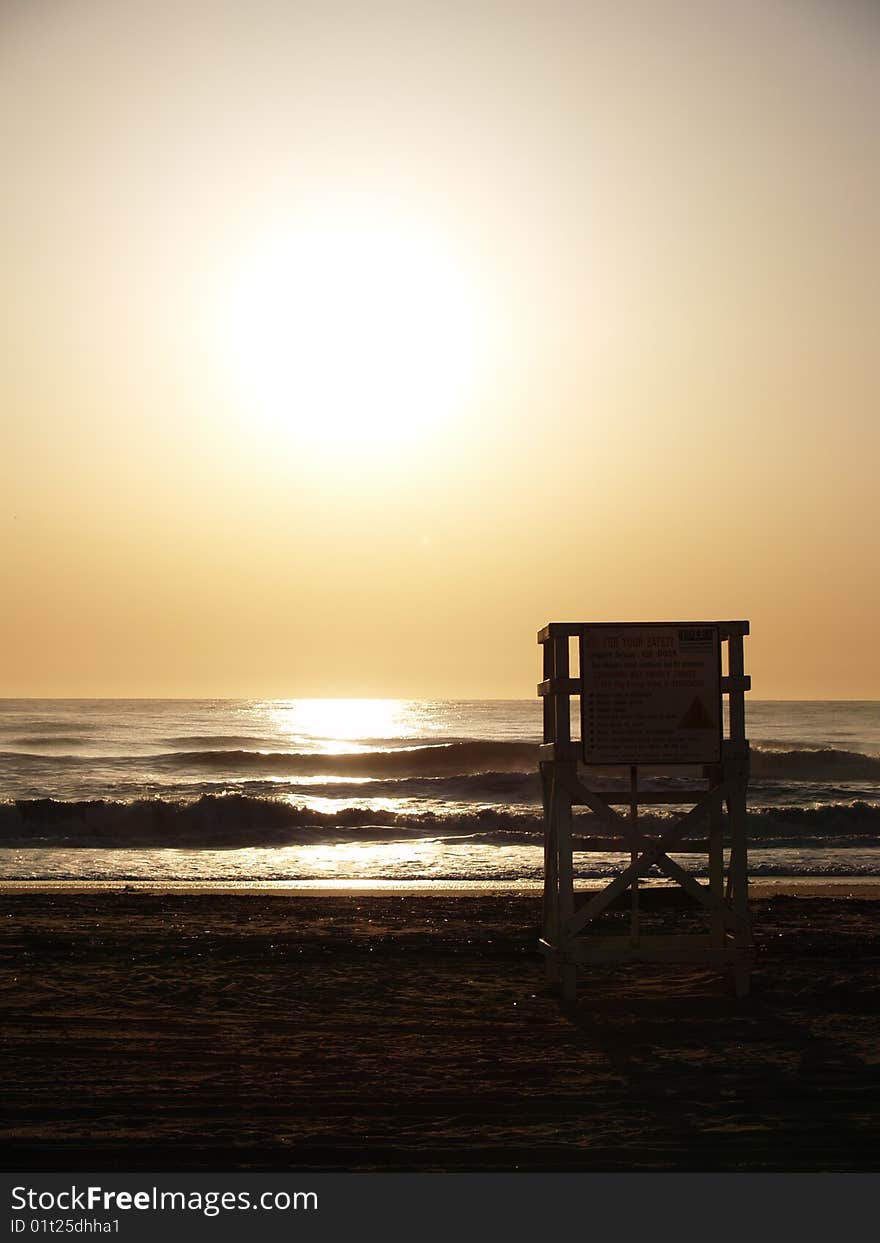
<point>344,345</point>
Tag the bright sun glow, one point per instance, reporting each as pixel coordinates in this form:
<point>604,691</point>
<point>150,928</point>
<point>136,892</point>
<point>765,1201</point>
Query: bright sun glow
<point>338,724</point>
<point>356,333</point>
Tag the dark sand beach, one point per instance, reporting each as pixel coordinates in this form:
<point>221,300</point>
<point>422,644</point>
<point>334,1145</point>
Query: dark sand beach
<point>413,1032</point>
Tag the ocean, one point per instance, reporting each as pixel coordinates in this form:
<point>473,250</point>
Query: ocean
<point>349,791</point>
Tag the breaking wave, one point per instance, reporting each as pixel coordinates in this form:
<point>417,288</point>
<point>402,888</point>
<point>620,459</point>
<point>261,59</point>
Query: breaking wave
<point>418,761</point>
<point>51,740</point>
<point>234,821</point>
<point>424,760</point>
<point>815,765</point>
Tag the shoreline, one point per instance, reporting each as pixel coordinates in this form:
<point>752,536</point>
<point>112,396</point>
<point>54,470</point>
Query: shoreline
<point>859,887</point>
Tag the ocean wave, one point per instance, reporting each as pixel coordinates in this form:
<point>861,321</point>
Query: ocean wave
<point>220,742</point>
<point>487,787</point>
<point>50,740</point>
<point>235,821</point>
<point>25,761</point>
<point>824,764</point>
<point>839,822</point>
<point>491,759</point>
<point>420,761</point>
<point>231,820</point>
<point>33,724</point>
<point>417,761</point>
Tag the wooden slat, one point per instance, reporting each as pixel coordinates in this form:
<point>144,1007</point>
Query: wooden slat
<point>738,875</point>
<point>731,748</point>
<point>730,683</point>
<point>549,716</point>
<point>559,686</point>
<point>605,799</point>
<point>561,752</point>
<point>561,702</point>
<point>554,629</point>
<point>716,871</point>
<point>571,629</point>
<point>634,850</point>
<point>551,858</point>
<point>586,843</point>
<point>565,862</point>
<point>619,798</point>
<point>737,703</point>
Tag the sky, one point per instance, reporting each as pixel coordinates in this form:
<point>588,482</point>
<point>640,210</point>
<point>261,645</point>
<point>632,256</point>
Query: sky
<point>345,345</point>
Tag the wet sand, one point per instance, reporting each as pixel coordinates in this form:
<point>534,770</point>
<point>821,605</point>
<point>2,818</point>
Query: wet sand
<point>148,1030</point>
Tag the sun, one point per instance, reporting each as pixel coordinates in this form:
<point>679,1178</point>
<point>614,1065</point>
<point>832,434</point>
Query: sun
<point>355,333</point>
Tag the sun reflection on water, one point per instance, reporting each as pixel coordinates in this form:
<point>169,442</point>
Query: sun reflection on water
<point>347,725</point>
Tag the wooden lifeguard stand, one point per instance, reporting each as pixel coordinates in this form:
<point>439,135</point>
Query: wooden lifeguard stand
<point>651,698</point>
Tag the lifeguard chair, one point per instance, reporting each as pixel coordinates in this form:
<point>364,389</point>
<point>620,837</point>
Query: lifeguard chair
<point>651,702</point>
